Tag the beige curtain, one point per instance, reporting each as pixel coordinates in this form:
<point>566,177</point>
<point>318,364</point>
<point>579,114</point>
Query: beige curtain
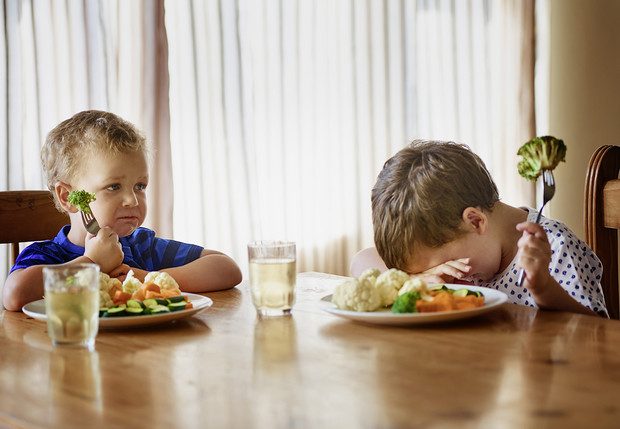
<point>283,112</point>
<point>62,56</point>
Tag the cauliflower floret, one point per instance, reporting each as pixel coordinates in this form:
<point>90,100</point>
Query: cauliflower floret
<point>131,284</point>
<point>105,301</point>
<point>356,295</point>
<point>109,284</point>
<point>163,280</point>
<point>417,285</point>
<point>107,288</point>
<point>371,274</point>
<point>389,283</point>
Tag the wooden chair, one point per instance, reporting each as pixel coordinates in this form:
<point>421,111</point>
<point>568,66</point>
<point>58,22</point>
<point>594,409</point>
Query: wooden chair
<point>28,216</point>
<point>602,218</point>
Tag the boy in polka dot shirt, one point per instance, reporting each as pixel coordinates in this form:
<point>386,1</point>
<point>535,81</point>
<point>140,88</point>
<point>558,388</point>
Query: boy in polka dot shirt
<point>437,215</point>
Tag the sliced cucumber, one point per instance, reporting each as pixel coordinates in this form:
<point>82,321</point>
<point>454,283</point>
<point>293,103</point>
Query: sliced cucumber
<point>134,311</point>
<point>176,306</point>
<point>135,303</point>
<point>115,312</point>
<point>151,302</point>
<point>158,309</point>
<point>438,288</point>
<point>460,292</point>
<point>178,298</point>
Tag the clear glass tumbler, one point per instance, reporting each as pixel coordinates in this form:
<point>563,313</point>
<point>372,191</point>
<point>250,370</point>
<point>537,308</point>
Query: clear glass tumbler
<point>72,304</point>
<point>273,273</point>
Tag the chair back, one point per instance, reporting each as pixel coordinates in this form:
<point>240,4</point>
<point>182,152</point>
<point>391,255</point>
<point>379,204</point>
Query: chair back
<point>28,216</point>
<point>602,218</point>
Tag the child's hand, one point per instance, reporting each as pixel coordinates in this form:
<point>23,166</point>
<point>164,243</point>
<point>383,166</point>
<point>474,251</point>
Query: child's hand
<point>447,272</point>
<point>120,272</point>
<point>104,249</point>
<point>534,257</point>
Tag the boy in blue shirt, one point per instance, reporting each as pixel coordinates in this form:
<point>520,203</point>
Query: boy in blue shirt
<point>102,153</point>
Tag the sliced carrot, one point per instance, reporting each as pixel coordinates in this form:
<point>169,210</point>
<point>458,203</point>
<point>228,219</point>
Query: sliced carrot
<point>189,305</point>
<point>167,293</point>
<point>150,286</point>
<point>139,295</point>
<point>150,294</point>
<point>121,297</point>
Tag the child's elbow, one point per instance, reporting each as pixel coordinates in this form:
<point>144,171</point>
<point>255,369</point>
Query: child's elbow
<point>235,276</point>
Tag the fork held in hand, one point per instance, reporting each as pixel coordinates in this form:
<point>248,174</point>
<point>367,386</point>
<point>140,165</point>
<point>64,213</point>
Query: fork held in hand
<point>548,192</point>
<point>90,223</point>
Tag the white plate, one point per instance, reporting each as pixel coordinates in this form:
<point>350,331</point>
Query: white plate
<point>36,310</point>
<point>492,299</point>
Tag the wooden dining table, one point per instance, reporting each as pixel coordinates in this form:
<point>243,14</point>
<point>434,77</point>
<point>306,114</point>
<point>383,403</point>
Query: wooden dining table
<point>512,367</point>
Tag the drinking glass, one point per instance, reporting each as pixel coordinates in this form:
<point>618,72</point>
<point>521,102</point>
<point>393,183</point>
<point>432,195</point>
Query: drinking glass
<point>72,304</point>
<point>272,276</point>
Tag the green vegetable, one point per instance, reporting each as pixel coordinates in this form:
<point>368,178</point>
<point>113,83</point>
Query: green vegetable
<point>115,311</point>
<point>134,303</point>
<point>460,292</point>
<point>540,153</point>
<point>157,309</point>
<point>81,199</point>
<point>134,311</point>
<point>176,306</point>
<point>406,303</point>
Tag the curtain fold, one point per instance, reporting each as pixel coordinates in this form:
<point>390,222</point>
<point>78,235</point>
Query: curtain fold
<point>65,56</point>
<point>283,113</point>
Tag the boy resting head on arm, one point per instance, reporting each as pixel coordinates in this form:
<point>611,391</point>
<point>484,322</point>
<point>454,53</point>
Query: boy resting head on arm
<point>437,215</point>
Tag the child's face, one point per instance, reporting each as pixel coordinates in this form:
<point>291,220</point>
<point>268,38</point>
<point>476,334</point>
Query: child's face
<point>484,255</point>
<point>119,182</point>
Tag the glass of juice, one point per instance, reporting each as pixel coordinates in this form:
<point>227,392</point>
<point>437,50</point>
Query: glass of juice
<point>273,273</point>
<point>72,304</point>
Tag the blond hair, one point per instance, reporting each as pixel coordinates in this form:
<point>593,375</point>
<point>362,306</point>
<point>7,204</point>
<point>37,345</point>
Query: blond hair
<point>71,141</point>
<point>420,195</point>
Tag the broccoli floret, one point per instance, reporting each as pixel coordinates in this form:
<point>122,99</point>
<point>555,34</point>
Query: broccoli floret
<point>540,153</point>
<point>406,303</point>
<point>81,199</point>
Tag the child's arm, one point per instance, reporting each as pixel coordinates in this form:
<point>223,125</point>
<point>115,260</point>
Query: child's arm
<point>212,271</point>
<point>534,257</point>
<point>448,272</point>
<point>365,259</point>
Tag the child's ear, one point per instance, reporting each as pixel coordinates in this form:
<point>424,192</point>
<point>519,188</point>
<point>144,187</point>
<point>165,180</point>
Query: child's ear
<point>62,191</point>
<point>475,219</point>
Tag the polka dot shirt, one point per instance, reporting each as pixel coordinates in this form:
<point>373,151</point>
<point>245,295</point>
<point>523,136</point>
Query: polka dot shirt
<point>573,265</point>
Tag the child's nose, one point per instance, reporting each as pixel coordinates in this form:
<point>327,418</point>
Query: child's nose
<point>130,199</point>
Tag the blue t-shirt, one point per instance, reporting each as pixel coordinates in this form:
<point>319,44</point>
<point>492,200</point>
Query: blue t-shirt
<point>141,249</point>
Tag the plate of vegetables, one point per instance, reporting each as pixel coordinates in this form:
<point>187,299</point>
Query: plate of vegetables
<point>138,313</point>
<point>394,298</point>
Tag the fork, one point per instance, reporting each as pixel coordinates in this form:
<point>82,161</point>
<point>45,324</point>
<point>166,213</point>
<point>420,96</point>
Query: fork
<point>90,223</point>
<point>548,192</point>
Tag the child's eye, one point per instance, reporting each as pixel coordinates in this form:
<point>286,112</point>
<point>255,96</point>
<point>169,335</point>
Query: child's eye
<point>113,187</point>
<point>141,186</point>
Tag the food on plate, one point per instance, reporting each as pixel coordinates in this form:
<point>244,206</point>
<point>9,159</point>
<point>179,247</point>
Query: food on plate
<point>81,199</point>
<point>108,287</point>
<point>437,298</point>
<point>389,283</point>
<point>406,303</point>
<point>395,289</point>
<point>163,280</point>
<point>357,295</point>
<point>133,298</point>
<point>371,274</point>
<point>540,153</point>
